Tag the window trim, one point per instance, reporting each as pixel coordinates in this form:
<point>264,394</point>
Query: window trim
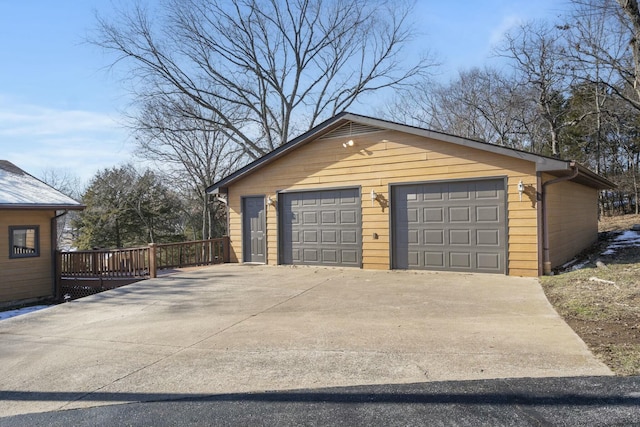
<point>36,253</point>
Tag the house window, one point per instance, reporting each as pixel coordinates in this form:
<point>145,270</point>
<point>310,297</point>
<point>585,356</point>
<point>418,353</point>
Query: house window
<point>24,241</point>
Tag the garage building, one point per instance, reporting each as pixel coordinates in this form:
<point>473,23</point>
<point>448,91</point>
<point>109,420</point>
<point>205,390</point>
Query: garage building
<point>361,192</point>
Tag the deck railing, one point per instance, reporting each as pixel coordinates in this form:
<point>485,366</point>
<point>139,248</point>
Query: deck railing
<point>132,262</point>
<point>140,262</point>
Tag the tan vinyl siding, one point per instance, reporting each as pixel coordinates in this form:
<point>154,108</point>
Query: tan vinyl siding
<point>572,219</point>
<point>377,160</point>
<point>25,278</point>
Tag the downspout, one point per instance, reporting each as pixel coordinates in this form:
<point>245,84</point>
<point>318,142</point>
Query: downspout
<point>546,266</point>
<point>54,249</point>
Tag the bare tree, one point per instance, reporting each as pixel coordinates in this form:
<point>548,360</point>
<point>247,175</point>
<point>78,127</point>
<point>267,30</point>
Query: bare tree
<point>481,104</point>
<point>539,54</point>
<point>632,14</point>
<point>190,150</point>
<point>271,63</point>
<point>597,45</point>
<point>63,180</point>
<point>67,183</point>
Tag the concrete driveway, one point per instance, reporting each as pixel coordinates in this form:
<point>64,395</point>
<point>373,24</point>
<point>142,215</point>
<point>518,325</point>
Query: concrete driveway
<point>237,328</point>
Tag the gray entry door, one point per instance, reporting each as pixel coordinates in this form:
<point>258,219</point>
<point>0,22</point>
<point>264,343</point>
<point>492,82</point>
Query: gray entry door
<point>253,229</point>
<point>457,226</point>
<point>321,228</point>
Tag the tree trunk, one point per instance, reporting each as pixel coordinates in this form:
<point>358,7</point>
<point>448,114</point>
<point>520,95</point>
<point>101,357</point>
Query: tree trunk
<point>204,217</point>
<point>630,8</point>
<point>554,141</point>
<point>636,190</point>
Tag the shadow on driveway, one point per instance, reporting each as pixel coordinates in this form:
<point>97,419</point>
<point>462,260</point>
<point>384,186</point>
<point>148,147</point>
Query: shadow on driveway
<point>553,401</point>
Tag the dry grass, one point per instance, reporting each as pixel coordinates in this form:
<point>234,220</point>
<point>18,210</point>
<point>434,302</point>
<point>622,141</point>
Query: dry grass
<point>617,223</point>
<point>606,315</point>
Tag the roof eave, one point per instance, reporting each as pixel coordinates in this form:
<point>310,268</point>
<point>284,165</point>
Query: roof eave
<point>594,180</point>
<point>42,207</point>
<point>584,177</point>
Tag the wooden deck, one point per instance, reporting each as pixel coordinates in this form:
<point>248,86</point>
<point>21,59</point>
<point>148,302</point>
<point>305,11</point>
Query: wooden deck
<point>86,272</point>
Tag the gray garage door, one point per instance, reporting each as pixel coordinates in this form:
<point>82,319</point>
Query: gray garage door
<point>458,226</point>
<point>321,228</point>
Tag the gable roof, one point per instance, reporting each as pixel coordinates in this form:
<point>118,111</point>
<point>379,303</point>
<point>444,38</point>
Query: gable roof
<point>550,165</point>
<point>19,190</point>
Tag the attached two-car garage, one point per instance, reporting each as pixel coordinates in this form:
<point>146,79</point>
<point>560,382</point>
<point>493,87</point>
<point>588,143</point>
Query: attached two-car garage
<point>453,225</point>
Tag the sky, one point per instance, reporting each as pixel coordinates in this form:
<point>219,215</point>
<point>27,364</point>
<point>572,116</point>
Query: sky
<point>61,107</point>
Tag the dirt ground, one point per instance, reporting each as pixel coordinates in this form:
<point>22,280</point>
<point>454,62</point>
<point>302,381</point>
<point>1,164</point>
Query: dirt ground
<point>601,300</point>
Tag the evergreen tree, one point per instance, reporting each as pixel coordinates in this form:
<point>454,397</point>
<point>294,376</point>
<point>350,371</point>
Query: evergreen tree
<point>125,209</point>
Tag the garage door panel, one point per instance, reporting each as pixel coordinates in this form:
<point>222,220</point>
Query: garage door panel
<point>348,217</point>
<point>491,190</point>
<point>433,237</point>
<point>488,261</point>
<point>460,260</point>
<point>292,217</point>
<point>310,236</point>
<point>347,198</point>
<point>433,215</point>
<point>306,201</point>
<point>329,218</point>
<point>459,214</point>
<point>293,236</point>
<point>488,237</point>
<point>412,216</point>
<point>310,255</point>
<point>461,226</point>
<point>328,223</point>
<point>348,237</point>
<point>310,218</point>
<point>434,259</point>
<point>330,256</point>
<point>350,257</point>
<point>459,237</point>
<point>329,236</point>
<point>413,258</point>
<point>433,193</point>
<point>328,201</point>
<point>487,214</point>
<point>458,191</point>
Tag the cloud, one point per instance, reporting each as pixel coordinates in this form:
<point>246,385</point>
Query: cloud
<point>508,22</point>
<point>23,120</point>
<point>37,138</point>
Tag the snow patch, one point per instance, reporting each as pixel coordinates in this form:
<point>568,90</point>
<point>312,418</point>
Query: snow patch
<point>579,266</point>
<point>18,187</point>
<point>17,312</point>
<point>627,239</point>
<point>629,236</point>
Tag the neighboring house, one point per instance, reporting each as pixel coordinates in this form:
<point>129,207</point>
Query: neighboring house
<point>363,192</point>
<point>28,212</point>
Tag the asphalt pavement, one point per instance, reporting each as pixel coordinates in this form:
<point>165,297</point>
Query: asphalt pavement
<point>574,401</point>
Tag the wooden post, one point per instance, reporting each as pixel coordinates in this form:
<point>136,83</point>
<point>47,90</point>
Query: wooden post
<point>94,264</point>
<point>225,249</point>
<point>153,270</point>
<point>58,275</point>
